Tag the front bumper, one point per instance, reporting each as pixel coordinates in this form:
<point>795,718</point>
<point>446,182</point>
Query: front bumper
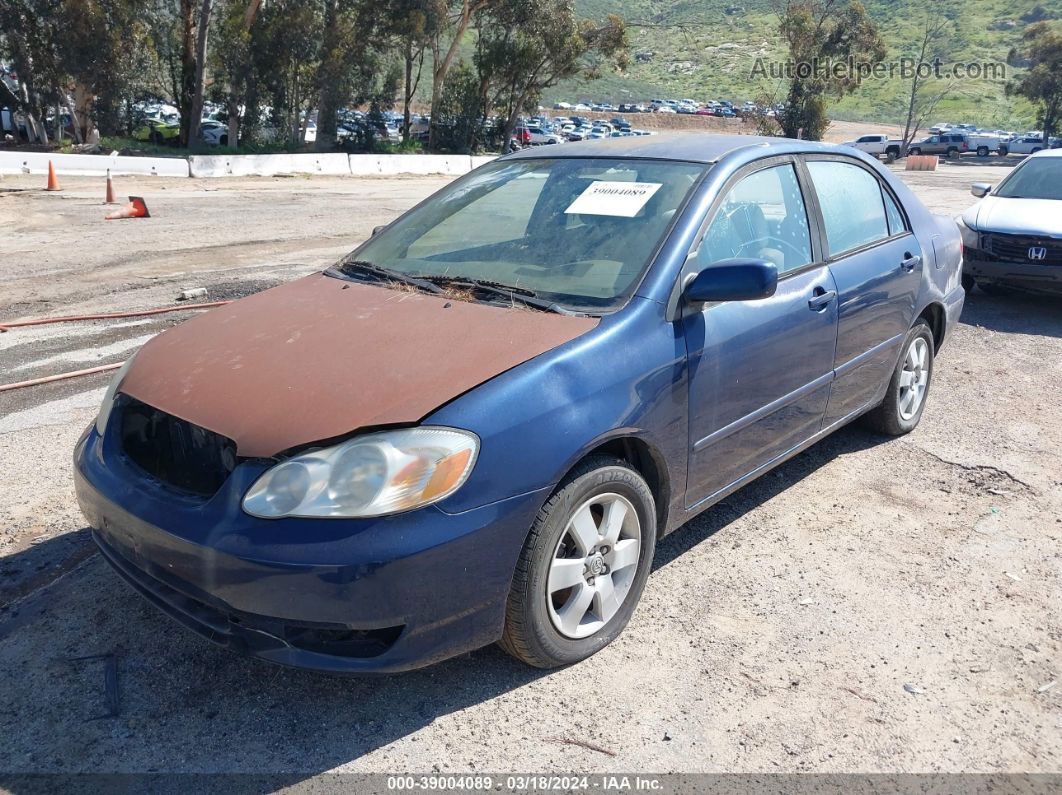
<point>1031,276</point>
<point>353,596</point>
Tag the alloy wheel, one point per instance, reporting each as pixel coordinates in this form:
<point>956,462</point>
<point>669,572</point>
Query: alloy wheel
<point>593,565</point>
<point>914,378</point>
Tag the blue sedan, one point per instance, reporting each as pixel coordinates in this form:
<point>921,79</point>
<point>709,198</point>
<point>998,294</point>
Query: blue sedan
<point>476,426</point>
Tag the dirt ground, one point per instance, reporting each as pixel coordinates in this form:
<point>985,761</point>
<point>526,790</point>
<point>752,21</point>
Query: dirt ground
<point>873,605</point>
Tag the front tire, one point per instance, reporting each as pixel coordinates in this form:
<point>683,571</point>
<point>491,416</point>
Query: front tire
<point>583,567</point>
<point>905,398</point>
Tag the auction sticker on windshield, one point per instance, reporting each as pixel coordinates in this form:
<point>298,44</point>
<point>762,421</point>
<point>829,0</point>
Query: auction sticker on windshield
<point>623,199</point>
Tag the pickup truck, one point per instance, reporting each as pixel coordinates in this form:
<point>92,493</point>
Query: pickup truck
<point>876,145</point>
<point>986,143</point>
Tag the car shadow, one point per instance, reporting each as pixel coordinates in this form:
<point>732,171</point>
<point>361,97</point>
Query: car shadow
<point>98,681</point>
<point>849,439</point>
<point>1014,312</point>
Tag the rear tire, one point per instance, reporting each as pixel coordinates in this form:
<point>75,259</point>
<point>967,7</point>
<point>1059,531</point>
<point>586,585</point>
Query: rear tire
<point>905,398</point>
<point>595,567</point>
<point>1003,151</point>
<point>982,151</point>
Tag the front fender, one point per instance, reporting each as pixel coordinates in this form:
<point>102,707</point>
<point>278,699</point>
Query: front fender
<point>626,378</point>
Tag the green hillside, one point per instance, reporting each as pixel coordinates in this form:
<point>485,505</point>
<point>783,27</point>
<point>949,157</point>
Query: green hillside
<point>682,48</point>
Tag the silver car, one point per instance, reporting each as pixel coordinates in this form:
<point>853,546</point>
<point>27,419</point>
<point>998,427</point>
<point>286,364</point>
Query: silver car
<point>1013,236</point>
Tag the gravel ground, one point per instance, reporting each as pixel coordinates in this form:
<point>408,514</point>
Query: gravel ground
<point>873,605</point>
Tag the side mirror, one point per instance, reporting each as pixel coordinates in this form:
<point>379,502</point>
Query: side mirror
<point>980,189</point>
<point>733,280</point>
<point>377,229</point>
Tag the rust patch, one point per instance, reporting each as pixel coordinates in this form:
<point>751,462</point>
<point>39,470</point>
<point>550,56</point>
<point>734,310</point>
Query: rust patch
<point>321,357</point>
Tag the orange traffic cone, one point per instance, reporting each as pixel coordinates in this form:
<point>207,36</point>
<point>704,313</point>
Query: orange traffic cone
<point>135,209</point>
<point>110,190</point>
<point>53,183</point>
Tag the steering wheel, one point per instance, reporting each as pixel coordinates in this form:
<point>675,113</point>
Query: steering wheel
<point>773,242</point>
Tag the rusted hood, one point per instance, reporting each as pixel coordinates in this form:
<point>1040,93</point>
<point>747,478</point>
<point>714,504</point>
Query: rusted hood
<point>322,357</point>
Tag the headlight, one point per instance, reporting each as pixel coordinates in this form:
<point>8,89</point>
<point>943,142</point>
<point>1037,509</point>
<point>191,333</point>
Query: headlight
<point>371,475</point>
<point>108,397</point>
<point>970,237</point>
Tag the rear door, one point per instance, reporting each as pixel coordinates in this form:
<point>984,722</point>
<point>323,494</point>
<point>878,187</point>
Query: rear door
<point>876,263</point>
<point>759,371</point>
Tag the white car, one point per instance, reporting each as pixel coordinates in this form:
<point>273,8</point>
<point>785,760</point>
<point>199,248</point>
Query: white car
<point>1026,145</point>
<point>540,137</point>
<point>1013,235</point>
<point>213,132</point>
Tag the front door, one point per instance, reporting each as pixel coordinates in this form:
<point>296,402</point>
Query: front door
<point>877,265</point>
<point>759,371</point>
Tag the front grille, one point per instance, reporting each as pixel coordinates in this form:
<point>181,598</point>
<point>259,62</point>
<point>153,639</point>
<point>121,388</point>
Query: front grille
<point>176,452</point>
<point>1015,248</point>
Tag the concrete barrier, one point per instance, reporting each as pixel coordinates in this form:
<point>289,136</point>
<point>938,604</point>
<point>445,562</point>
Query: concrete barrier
<point>921,163</point>
<point>334,163</point>
<point>92,165</point>
<point>368,165</point>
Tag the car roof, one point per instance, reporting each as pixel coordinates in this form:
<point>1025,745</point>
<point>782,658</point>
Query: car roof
<point>1049,153</point>
<point>689,147</point>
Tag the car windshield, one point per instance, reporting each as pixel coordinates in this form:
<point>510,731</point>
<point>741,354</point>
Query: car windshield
<point>575,231</point>
<point>1036,178</point>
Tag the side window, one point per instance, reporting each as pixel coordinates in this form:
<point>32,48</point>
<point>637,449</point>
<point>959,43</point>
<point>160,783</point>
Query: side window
<point>893,215</point>
<point>763,217</point>
<point>851,204</point>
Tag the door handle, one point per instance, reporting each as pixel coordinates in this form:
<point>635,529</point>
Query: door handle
<point>910,262</point>
<point>821,298</point>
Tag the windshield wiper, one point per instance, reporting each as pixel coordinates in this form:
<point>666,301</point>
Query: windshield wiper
<point>438,285</point>
<point>521,294</point>
<point>360,268</point>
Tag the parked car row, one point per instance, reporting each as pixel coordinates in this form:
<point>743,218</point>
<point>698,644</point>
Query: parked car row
<point>540,130</point>
<point>720,108</point>
<point>955,143</point>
